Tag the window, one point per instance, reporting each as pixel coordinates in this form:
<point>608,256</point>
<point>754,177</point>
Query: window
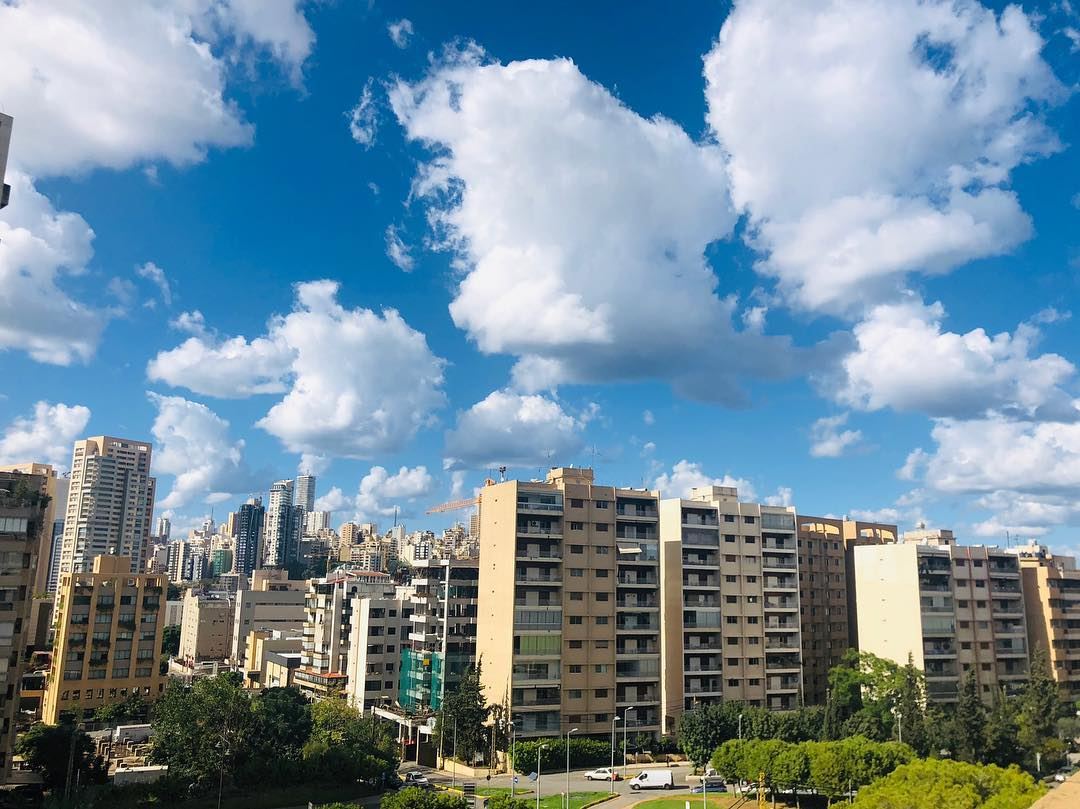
<point>732,641</point>
<point>600,644</point>
<point>577,596</point>
<point>577,572</point>
<point>731,599</point>
<point>984,666</point>
<point>980,605</point>
<point>753,661</point>
<point>602,573</point>
<point>732,661</point>
<point>731,579</point>
<point>751,579</point>
<point>748,520</point>
<point>732,683</point>
<point>600,693</point>
<point>731,619</point>
<point>600,717</point>
<point>753,641</point>
<point>601,620</point>
<point>601,668</point>
<point>962,603</point>
<point>574,693</point>
<point>577,549</point>
<point>602,596</point>
<point>574,669</point>
<point>729,518</point>
<point>601,503</point>
<point>729,537</point>
<point>753,682</point>
<point>751,619</point>
<point>575,644</point>
<point>575,620</point>
<point>602,550</point>
<point>602,527</point>
<point>730,557</point>
<point>577,526</point>
<point>576,503</point>
<point>750,540</point>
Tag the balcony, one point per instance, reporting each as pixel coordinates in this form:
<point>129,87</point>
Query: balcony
<point>782,663</point>
<point>707,519</point>
<point>1010,647</point>
<point>773,623</point>
<point>537,578</point>
<point>931,586</point>
<point>699,560</point>
<point>553,503</point>
<point>782,643</point>
<point>639,512</point>
<point>640,648</point>
<point>781,604</point>
<point>640,623</point>
<point>635,532</point>
<point>693,602</point>
<point>636,579</point>
<point>785,682</point>
<point>639,601</point>
<point>939,650</point>
<point>778,583</point>
<point>637,670</point>
<point>539,554</point>
<point>710,664</point>
<point>552,530</point>
<point>769,562</point>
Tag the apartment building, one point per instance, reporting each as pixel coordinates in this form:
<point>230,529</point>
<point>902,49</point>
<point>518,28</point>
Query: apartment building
<point>108,638</point>
<point>274,602</point>
<point>826,603</point>
<point>379,627</point>
<point>247,528</point>
<point>730,608</point>
<point>440,645</point>
<point>23,529</point>
<point>266,652</point>
<point>953,608</point>
<point>579,562</point>
<point>206,627</point>
<point>110,503</point>
<point>328,626</point>
<point>1051,587</point>
<point>857,534</point>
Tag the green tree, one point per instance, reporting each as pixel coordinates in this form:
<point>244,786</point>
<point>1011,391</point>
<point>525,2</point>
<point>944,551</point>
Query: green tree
<point>504,801</point>
<point>467,710</point>
<point>344,746</point>
<point>1039,706</point>
<point>47,750</point>
<point>413,798</point>
<point>910,707</point>
<point>203,732</point>
<point>1001,745</point>
<point>970,722</point>
<point>936,783</point>
<point>170,640</point>
<point>281,725</point>
<point>832,722</point>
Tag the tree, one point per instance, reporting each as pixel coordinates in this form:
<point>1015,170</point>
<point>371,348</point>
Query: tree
<point>910,707</point>
<point>970,722</point>
<point>413,798</point>
<point>281,725</point>
<point>504,801</point>
<point>466,709</point>
<point>344,746</point>
<point>170,640</point>
<point>936,783</point>
<point>1039,706</point>
<point>1001,746</point>
<point>47,750</point>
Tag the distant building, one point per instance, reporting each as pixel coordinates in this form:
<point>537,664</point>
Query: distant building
<point>272,657</point>
<point>379,627</point>
<point>305,492</point>
<point>164,528</point>
<point>6,122</point>
<point>249,535</point>
<point>109,629</point>
<point>206,630</point>
<point>273,603</point>
<point>110,503</point>
<point>280,530</point>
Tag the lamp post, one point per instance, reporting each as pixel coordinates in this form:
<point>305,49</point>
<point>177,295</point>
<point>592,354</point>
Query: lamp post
<point>538,749</point>
<point>625,725</point>
<point>740,727</point>
<point>453,772</point>
<point>573,730</point>
<point>899,726</point>
<point>613,721</point>
<point>513,756</point>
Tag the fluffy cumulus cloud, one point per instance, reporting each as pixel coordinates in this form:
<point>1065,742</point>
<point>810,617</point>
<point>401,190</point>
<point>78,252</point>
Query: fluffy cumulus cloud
<point>686,475</point>
<point>868,140</point>
<point>156,276</point>
<point>364,117</point>
<point>39,246</point>
<point>382,494</point>
<point>192,443</point>
<point>580,228</point>
<point>332,362</point>
<point>400,32</point>
<point>513,429</point>
<point>828,439</point>
<point>46,436</point>
<point>904,360</point>
<point>397,251</point>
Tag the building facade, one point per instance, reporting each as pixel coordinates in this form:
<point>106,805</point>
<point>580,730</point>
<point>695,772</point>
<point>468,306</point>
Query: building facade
<point>952,608</point>
<point>379,626</point>
<point>273,603</point>
<point>206,627</point>
<point>249,532</point>
<point>108,638</point>
<point>277,532</point>
<point>579,563</point>
<point>305,492</point>
<point>1051,587</point>
<point>110,503</point>
<point>23,529</point>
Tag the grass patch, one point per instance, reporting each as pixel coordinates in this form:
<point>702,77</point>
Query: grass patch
<point>578,800</point>
<point>715,802</point>
<point>298,795</point>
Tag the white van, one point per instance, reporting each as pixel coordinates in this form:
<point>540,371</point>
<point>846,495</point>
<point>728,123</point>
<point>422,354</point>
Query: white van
<point>653,779</point>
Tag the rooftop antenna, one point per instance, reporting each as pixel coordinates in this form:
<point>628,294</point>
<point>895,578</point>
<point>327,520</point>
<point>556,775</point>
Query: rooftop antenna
<point>395,516</point>
<point>595,453</point>
<point>502,474</point>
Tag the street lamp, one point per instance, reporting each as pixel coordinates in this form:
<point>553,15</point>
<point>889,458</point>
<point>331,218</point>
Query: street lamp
<point>899,725</point>
<point>453,772</point>
<point>740,727</point>
<point>538,749</point>
<point>613,721</point>
<point>574,730</point>
<point>513,756</point>
<point>625,725</point>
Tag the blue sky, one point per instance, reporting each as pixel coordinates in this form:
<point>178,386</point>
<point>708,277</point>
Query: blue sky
<point>826,251</point>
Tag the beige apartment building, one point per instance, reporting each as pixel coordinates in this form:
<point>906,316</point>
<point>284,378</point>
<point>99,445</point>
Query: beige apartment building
<point>579,563</point>
<point>826,594</point>
<point>273,602</point>
<point>1052,603</point>
<point>110,503</point>
<point>266,652</point>
<point>953,608</point>
<point>108,638</point>
<point>730,612</point>
<point>379,628</point>
<point>206,627</point>
<point>23,521</point>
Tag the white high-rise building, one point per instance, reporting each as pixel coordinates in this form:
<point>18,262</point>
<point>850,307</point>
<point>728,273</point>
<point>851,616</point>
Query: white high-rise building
<point>164,528</point>
<point>277,524</point>
<point>305,492</point>
<point>110,503</point>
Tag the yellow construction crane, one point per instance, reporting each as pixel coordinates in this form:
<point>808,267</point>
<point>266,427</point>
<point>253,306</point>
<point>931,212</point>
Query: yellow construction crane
<point>458,505</point>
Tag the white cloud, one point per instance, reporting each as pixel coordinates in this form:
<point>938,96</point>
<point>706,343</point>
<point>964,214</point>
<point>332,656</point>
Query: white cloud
<point>400,32</point>
<point>827,440</point>
<point>333,500</point>
<point>39,246</point>
<point>888,515</point>
<point>457,484</point>
<point>381,494</point>
<point>192,443</point>
<point>783,497</point>
<point>45,437</point>
<point>648,448</point>
<point>277,25</point>
<point>512,429</point>
<point>1024,515</point>
<point>580,228</point>
<point>155,275</point>
<point>903,360</point>
<point>332,361</point>
<point>686,475</point>
<point>872,139</point>
<point>397,251</point>
<point>312,464</point>
<point>364,117</point>
<point>648,417</point>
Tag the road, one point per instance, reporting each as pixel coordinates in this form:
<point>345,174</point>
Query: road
<point>555,783</point>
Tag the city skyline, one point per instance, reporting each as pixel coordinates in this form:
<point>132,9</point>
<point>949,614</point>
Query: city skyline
<point>869,318</point>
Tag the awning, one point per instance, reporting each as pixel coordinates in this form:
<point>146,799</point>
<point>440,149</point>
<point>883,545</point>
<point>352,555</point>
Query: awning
<point>629,549</point>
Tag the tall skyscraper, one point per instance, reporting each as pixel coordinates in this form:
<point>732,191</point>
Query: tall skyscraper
<point>55,488</point>
<point>305,492</point>
<point>110,503</point>
<point>164,528</point>
<point>249,532</point>
<point>277,527</point>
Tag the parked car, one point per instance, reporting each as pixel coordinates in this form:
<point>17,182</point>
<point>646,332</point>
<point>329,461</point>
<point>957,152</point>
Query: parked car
<point>602,774</point>
<point>416,778</point>
<point>653,779</point>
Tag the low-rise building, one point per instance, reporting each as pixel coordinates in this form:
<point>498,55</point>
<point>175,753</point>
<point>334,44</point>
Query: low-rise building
<point>261,646</point>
